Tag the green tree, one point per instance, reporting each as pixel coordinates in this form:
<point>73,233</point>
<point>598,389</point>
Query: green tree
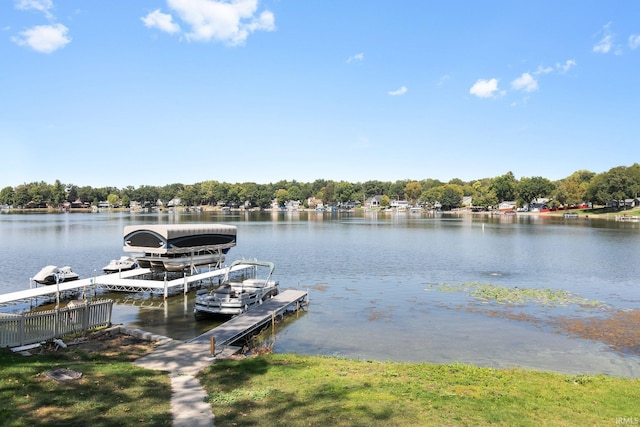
<point>412,192</point>
<point>530,189</point>
<point>374,188</point>
<point>282,196</point>
<point>72,192</point>
<point>385,202</point>
<point>263,197</point>
<point>396,190</point>
<point>432,195</point>
<point>7,196</point>
<point>430,183</point>
<point>190,195</point>
<point>451,196</point>
<point>295,192</point>
<point>617,184</point>
<point>504,187</point>
<point>573,189</point>
<point>113,200</point>
<point>486,200</point>
<point>58,193</point>
<point>329,193</point>
<point>343,192</point>
<point>21,195</point>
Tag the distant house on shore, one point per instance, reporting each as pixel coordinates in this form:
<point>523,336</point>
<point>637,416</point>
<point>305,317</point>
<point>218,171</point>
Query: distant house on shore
<point>314,203</point>
<point>507,206</point>
<point>400,204</point>
<point>373,202</point>
<point>174,202</point>
<point>626,203</point>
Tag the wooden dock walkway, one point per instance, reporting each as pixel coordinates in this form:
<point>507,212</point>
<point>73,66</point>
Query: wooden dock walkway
<point>254,319</point>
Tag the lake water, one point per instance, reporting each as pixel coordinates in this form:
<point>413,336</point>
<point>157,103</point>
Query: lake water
<point>375,280</point>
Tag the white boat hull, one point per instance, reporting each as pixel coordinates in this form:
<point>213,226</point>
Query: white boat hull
<point>234,299</point>
<point>180,263</point>
<point>125,263</point>
<point>50,275</point>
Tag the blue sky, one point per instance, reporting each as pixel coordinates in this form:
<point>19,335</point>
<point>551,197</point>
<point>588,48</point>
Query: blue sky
<point>154,92</point>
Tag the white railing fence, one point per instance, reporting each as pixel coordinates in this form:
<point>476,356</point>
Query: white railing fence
<point>29,328</point>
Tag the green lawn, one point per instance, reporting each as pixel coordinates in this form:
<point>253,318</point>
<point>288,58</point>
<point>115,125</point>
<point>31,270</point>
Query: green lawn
<point>284,389</point>
<point>111,392</point>
<point>294,390</point>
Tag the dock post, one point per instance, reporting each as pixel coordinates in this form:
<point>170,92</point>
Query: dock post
<point>212,345</point>
<point>166,291</point>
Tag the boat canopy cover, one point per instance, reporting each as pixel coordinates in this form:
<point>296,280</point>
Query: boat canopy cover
<point>271,266</point>
<point>168,239</point>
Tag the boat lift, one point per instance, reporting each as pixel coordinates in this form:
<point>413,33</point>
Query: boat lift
<point>124,281</point>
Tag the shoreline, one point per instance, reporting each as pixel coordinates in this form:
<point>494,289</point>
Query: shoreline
<point>593,213</point>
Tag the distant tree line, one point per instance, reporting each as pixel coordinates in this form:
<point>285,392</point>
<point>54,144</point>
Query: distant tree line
<point>619,183</point>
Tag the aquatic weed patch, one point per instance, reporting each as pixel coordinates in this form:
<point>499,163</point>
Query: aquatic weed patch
<point>620,329</point>
<point>505,295</point>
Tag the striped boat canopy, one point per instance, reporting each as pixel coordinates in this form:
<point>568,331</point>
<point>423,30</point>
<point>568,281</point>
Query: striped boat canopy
<point>167,239</point>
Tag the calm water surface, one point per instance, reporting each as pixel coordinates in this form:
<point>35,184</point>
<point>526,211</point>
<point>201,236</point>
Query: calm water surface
<point>375,280</point>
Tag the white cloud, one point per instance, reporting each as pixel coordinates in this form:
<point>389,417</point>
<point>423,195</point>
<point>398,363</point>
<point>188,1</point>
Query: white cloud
<point>604,45</point>
<point>569,63</point>
<point>543,70</point>
<point>44,38</point>
<point>161,21</point>
<point>606,42</point>
<point>358,57</point>
<point>525,82</point>
<point>443,80</point>
<point>43,6</point>
<point>484,88</point>
<point>634,41</point>
<point>230,22</point>
<point>398,92</point>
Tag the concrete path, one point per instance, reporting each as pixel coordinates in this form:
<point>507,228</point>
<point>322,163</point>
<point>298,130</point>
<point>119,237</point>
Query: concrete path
<point>182,361</point>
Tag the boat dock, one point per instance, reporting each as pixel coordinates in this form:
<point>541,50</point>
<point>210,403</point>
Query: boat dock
<point>628,218</point>
<point>127,281</point>
<point>253,319</point>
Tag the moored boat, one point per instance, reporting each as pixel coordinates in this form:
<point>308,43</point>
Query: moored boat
<point>178,247</point>
<point>124,263</point>
<point>234,297</point>
<point>51,274</point>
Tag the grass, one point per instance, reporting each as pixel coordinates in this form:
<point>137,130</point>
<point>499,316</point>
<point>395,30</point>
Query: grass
<point>111,392</point>
<point>294,390</point>
<point>601,212</point>
<point>284,389</point>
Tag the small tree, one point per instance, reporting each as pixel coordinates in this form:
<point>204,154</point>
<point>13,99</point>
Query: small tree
<point>412,192</point>
<point>451,196</point>
<point>113,199</point>
<point>282,196</point>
